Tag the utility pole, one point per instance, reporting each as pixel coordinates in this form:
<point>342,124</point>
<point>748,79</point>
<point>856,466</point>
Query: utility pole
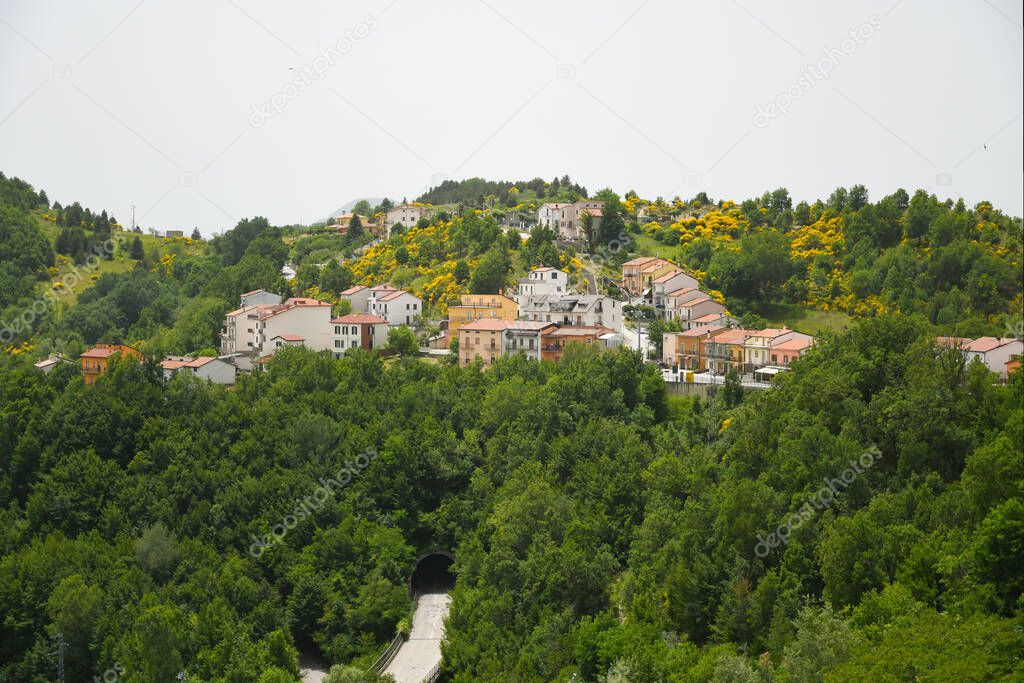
<point>59,653</point>
<point>133,218</point>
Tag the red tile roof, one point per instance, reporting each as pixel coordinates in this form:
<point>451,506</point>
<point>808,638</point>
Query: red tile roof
<point>305,301</point>
<point>486,325</point>
<point>668,276</point>
<point>798,343</point>
<point>200,361</point>
<point>700,331</point>
<point>638,261</point>
<point>394,295</point>
<point>734,336</point>
<point>353,290</point>
<point>359,319</point>
<point>986,344</point>
<point>290,337</point>
<point>99,353</point>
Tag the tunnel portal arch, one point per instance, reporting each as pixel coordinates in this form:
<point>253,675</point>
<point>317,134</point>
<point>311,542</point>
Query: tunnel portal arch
<point>432,573</point>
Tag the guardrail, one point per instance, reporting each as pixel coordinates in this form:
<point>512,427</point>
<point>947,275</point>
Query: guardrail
<point>388,654</point>
<point>434,674</point>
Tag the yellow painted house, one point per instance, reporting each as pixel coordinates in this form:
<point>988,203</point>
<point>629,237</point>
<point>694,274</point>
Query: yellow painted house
<point>480,307</point>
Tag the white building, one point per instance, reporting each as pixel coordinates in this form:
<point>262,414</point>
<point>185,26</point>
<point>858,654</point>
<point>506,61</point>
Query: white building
<point>567,219</point>
<point>695,308</point>
<point>358,296</point>
<point>994,352</point>
<point>396,306</point>
<point>309,319</point>
<point>576,310</point>
<point>524,336</point>
<point>668,283</point>
<point>249,329</point>
<point>358,330</point>
<point>544,280</point>
<point>407,215</point>
<point>259,297</point>
<point>204,367</point>
<point>555,215</point>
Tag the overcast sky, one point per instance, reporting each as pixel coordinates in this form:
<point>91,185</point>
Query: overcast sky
<point>200,112</point>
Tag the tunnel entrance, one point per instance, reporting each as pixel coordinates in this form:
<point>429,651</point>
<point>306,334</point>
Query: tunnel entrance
<point>433,574</point>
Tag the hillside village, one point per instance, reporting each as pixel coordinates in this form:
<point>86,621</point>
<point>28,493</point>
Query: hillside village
<point>653,305</point>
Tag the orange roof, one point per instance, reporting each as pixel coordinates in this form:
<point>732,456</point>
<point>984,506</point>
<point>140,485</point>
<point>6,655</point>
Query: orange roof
<point>580,331</point>
<point>770,332</point>
<point>985,344</point>
<point>172,364</point>
<point>353,290</point>
<point>708,318</point>
<point>394,295</point>
<point>701,330</point>
<point>733,336</point>
<point>382,288</point>
<point>359,319</point>
<point>684,290</point>
<point>639,261</point>
<point>305,301</point>
<point>486,325</point>
<point>668,276</point>
<point>99,353</point>
<point>795,344</point>
<point>694,302</point>
<point>200,361</point>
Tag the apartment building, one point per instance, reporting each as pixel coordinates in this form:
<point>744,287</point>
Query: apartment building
<point>406,215</point>
<point>541,281</point>
<point>477,306</point>
<point>580,310</point>
<point>358,331</point>
<point>96,361</point>
<point>396,306</point>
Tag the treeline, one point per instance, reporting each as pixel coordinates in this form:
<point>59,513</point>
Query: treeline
<point>475,192</point>
<point>956,266</point>
<point>25,253</point>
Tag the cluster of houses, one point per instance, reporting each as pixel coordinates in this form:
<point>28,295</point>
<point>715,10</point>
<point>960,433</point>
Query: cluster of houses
<point>538,319</point>
<point>404,215</point>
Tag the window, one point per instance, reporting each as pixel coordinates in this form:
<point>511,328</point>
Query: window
<point>775,358</point>
<point>354,344</point>
<point>337,329</point>
<point>554,276</point>
<point>337,343</point>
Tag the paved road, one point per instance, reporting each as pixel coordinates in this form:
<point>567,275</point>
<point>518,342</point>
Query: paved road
<point>422,652</point>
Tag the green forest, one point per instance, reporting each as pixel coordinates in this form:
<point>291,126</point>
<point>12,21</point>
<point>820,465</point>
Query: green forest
<point>862,520</point>
<point>600,528</point>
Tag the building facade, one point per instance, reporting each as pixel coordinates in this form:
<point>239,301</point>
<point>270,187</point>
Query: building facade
<point>358,331</point>
<point>477,306</point>
<point>544,280</point>
<point>96,361</point>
